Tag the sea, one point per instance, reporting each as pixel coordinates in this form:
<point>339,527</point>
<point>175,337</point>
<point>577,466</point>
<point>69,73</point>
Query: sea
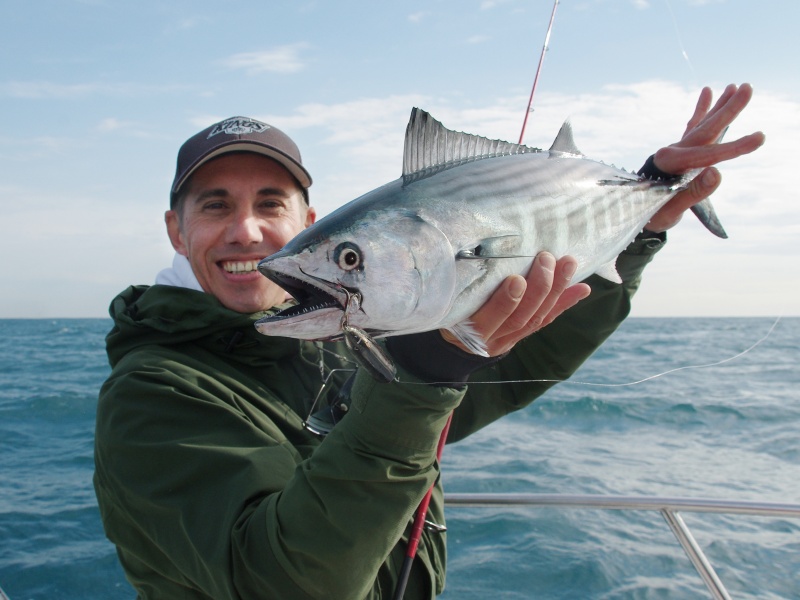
<point>677,407</point>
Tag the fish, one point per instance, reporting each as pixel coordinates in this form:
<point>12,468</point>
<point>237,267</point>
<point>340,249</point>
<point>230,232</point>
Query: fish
<point>428,249</point>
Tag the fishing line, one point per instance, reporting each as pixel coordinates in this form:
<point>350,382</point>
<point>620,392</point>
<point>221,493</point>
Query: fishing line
<point>626,384</point>
<point>680,39</point>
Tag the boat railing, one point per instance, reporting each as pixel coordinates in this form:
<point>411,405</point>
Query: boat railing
<point>670,509</point>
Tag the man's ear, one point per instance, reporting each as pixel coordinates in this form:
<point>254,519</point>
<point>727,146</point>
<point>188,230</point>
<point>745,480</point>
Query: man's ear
<point>173,221</point>
<point>311,216</point>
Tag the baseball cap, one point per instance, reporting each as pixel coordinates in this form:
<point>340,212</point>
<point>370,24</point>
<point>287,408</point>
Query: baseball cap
<point>238,134</point>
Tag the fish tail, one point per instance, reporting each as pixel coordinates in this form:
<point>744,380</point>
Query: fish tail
<point>703,210</point>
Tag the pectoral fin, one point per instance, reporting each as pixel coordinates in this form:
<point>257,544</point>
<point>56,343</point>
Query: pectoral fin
<point>609,271</point>
<point>500,246</point>
<point>465,333</point>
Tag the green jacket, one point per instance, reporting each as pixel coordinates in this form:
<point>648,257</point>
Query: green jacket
<point>210,487</point>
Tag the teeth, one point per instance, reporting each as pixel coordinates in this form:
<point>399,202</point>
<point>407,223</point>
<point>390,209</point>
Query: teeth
<point>240,267</point>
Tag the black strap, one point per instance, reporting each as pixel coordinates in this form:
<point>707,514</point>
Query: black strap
<point>431,358</point>
<point>651,171</point>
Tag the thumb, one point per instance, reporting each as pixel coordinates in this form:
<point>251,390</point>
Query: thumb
<point>701,187</point>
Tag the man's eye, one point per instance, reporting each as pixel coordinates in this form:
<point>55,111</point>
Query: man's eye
<point>271,205</point>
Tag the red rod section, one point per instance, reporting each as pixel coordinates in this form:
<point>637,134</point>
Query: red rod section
<point>538,70</point>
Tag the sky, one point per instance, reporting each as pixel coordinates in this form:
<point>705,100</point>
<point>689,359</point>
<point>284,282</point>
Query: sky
<point>96,97</point>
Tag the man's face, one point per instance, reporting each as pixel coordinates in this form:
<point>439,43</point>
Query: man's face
<point>238,209</point>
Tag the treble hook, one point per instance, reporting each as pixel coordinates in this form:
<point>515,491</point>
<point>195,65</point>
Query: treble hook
<point>365,349</point>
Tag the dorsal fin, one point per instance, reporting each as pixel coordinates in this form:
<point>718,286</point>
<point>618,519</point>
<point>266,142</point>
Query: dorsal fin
<point>430,147</point>
<point>564,143</point>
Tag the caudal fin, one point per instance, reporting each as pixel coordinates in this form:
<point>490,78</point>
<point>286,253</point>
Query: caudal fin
<point>704,210</point>
<point>708,217</point>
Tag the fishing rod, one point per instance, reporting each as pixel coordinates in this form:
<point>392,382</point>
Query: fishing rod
<point>538,70</point>
<point>422,510</point>
<point>419,523</point>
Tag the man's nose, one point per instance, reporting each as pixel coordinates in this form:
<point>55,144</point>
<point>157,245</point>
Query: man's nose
<point>245,229</point>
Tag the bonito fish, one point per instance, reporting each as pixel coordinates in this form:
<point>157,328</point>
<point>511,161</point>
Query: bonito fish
<point>427,250</point>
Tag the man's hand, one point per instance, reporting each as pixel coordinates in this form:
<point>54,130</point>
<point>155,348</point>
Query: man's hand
<point>523,305</point>
<point>698,148</point>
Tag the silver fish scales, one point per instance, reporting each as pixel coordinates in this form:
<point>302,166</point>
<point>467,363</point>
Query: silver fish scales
<point>427,250</point>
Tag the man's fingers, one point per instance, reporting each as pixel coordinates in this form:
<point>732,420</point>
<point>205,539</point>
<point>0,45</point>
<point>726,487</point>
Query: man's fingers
<point>700,110</point>
<point>547,281</point>
<point>541,282</point>
<point>678,160</point>
<point>571,296</point>
<point>733,100</point>
<point>521,306</point>
<point>700,149</point>
<point>706,130</point>
<point>500,306</point>
<point>562,276</point>
<point>700,187</point>
<point>566,300</point>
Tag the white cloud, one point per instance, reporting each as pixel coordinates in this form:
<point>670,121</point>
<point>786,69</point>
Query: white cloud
<point>38,90</point>
<point>490,4</point>
<point>113,125</point>
<point>193,22</point>
<point>282,59</point>
<point>91,249</point>
<point>46,89</point>
<point>356,145</point>
<point>621,125</point>
<point>352,147</point>
<point>36,148</point>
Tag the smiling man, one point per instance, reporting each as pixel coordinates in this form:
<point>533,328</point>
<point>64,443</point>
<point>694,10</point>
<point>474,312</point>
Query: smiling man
<point>234,211</point>
<point>207,480</point>
<point>240,194</point>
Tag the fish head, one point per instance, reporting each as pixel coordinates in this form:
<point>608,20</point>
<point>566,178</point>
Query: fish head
<point>399,268</point>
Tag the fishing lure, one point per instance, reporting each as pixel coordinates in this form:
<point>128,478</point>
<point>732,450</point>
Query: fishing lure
<point>365,349</point>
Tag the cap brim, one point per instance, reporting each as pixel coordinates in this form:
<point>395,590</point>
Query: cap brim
<point>297,170</point>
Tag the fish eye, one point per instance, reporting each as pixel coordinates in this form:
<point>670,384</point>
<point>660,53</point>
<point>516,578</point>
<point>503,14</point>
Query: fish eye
<point>348,256</point>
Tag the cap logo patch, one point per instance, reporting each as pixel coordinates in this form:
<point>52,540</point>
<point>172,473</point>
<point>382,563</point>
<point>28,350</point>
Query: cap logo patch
<point>238,126</point>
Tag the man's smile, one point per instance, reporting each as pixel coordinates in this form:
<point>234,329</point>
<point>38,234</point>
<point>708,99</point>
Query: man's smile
<point>246,266</point>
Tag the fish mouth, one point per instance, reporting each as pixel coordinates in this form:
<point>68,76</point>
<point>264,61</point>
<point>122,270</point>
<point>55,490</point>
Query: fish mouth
<point>319,306</point>
<point>312,294</point>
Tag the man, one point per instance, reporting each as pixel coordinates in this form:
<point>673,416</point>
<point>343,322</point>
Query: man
<point>208,483</point>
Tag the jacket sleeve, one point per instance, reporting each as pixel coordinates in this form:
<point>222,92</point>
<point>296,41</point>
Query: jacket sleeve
<point>555,352</point>
<point>346,508</point>
<point>204,501</point>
